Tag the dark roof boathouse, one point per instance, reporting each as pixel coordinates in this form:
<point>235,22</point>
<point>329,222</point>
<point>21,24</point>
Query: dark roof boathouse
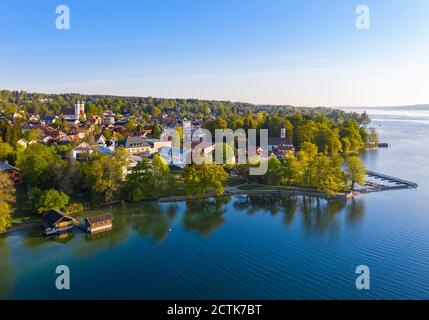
<point>56,222</point>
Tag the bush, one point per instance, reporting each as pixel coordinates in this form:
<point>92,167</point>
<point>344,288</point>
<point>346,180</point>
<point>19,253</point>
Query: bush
<point>75,208</point>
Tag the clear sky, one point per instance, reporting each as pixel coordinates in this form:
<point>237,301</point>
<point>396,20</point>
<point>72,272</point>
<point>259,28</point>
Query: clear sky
<point>300,52</point>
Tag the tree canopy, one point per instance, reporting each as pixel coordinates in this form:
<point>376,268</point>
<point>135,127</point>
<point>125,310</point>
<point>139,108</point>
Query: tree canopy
<point>7,200</point>
<point>204,178</point>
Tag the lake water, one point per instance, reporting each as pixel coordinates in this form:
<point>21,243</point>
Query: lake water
<point>249,247</point>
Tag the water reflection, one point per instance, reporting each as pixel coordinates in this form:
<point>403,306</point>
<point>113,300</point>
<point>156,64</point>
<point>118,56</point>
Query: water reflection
<point>205,216</point>
<point>155,224</point>
<point>154,220</point>
<point>7,270</point>
<point>355,210</point>
<point>318,215</point>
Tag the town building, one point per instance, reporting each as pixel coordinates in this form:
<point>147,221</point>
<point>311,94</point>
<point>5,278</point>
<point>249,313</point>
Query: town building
<point>76,113</point>
<point>157,144</point>
<point>137,145</point>
<point>24,143</point>
<point>14,173</point>
<point>49,120</point>
<point>175,156</point>
<point>81,152</point>
<point>274,143</point>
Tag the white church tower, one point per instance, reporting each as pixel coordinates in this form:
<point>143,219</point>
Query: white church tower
<point>73,114</point>
<point>283,132</point>
<point>187,134</point>
<point>79,110</point>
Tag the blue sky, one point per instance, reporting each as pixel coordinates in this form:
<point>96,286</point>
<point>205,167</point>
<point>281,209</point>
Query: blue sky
<point>300,52</point>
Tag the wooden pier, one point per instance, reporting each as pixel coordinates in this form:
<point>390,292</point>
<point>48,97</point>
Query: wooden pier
<point>397,182</point>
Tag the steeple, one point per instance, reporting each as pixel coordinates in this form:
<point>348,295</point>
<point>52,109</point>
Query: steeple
<point>283,132</point>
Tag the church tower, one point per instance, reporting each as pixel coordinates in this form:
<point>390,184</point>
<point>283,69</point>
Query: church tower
<point>187,134</point>
<point>283,132</point>
<point>79,110</point>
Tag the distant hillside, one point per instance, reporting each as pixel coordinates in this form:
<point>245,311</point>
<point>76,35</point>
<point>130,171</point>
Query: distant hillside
<point>52,104</point>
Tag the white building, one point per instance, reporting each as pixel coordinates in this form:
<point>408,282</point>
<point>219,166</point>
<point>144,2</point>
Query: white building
<point>82,151</point>
<point>174,156</point>
<point>282,142</point>
<point>75,113</point>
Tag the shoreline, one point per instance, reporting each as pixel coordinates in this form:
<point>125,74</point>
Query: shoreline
<point>232,191</point>
<point>291,191</point>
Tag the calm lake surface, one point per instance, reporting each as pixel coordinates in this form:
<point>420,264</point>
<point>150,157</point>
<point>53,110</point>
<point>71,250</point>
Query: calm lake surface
<point>249,247</point>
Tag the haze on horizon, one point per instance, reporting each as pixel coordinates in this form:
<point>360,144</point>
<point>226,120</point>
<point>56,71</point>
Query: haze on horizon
<point>259,51</point>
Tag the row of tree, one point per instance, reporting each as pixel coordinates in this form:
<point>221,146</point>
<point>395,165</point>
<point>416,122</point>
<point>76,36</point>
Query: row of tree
<point>310,168</point>
<point>327,134</point>
<point>144,107</point>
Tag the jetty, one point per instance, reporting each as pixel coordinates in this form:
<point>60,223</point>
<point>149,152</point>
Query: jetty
<point>393,182</point>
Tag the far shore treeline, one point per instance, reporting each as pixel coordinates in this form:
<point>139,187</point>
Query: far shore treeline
<point>325,143</point>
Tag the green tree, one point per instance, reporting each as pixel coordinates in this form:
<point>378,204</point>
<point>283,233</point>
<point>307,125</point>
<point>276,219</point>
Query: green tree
<point>355,171</point>
<point>161,175</point>
<point>327,173</point>
<point>131,125</point>
<point>103,176</point>
<point>204,178</point>
<point>273,175</point>
<point>32,134</point>
<point>40,167</point>
<point>373,136</point>
<point>351,131</point>
<point>218,123</point>
<point>137,185</point>
<point>7,200</point>
<point>49,199</point>
<point>5,151</point>
<point>156,112</point>
<point>148,179</point>
<point>290,169</point>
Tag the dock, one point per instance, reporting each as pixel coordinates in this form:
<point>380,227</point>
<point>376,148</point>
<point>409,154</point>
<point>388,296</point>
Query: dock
<point>395,183</point>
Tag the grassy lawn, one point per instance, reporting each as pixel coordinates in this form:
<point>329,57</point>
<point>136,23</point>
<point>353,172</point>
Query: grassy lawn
<point>23,208</point>
<point>179,189</point>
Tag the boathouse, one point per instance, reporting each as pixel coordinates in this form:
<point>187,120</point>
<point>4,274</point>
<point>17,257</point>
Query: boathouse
<point>99,223</point>
<point>56,222</point>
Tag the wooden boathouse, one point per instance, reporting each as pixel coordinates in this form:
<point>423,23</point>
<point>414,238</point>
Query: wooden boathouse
<point>56,222</point>
<point>98,223</point>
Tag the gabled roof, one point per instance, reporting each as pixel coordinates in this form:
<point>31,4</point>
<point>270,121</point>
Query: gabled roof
<point>7,167</point>
<point>83,147</point>
<point>54,216</point>
<point>100,218</point>
<point>68,111</point>
<point>47,118</point>
<point>136,141</point>
<point>277,141</point>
